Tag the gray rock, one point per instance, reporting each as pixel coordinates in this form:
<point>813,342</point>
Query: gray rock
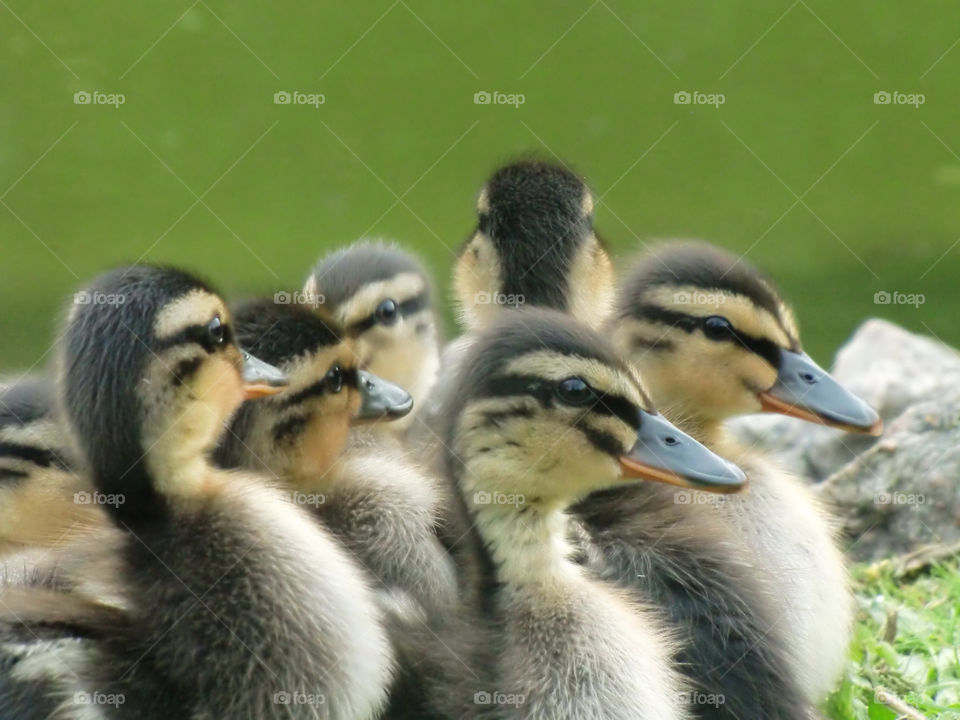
<point>903,489</point>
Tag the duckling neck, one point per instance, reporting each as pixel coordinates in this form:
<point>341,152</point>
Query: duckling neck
<point>528,544</point>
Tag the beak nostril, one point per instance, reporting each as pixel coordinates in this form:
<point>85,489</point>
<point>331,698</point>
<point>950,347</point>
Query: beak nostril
<point>808,377</point>
<point>670,440</point>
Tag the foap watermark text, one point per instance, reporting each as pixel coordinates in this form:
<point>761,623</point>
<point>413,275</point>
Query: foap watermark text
<point>498,498</point>
<point>95,97</point>
<point>882,297</point>
<point>895,97</point>
<point>298,297</point>
<point>295,97</point>
<point>482,97</point>
<point>695,97</point>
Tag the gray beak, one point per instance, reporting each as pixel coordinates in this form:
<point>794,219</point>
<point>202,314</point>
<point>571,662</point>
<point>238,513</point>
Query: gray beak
<point>261,379</point>
<point>805,390</point>
<point>665,454</point>
<point>381,399</point>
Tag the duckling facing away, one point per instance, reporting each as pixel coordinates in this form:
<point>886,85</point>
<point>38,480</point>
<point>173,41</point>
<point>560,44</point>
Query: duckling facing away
<point>382,296</point>
<point>44,502</point>
<point>237,603</point>
<point>543,413</point>
<point>714,339</point>
<point>534,245</point>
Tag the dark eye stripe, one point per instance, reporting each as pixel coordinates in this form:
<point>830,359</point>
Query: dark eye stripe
<point>320,387</point>
<point>407,307</point>
<point>607,404</point>
<point>35,455</point>
<point>766,349</point>
<point>200,335</point>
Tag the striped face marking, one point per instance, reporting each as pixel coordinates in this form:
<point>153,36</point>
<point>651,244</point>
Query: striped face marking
<point>384,303</point>
<point>550,425</point>
<point>705,352</point>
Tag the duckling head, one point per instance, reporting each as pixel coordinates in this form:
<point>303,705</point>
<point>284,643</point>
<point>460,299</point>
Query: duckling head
<point>534,245</point>
<point>545,411</point>
<point>713,338</point>
<point>382,297</point>
<point>149,376</point>
<point>297,434</point>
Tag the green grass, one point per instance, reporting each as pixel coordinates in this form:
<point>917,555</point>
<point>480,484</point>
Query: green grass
<point>920,662</point>
<point>84,187</point>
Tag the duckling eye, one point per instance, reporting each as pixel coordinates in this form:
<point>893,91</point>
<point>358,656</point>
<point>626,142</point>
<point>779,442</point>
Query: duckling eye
<point>335,379</point>
<point>717,328</point>
<point>387,312</point>
<point>574,391</point>
<point>215,331</point>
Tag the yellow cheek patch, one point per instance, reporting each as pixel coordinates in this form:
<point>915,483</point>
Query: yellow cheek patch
<point>483,202</point>
<point>592,284</point>
<point>197,307</point>
<point>476,277</point>
<point>586,206</point>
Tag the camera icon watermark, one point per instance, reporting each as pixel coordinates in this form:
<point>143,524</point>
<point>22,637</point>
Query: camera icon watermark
<point>883,297</point>
<point>482,497</point>
<point>695,697</point>
<point>482,97</point>
<point>497,298</point>
<point>698,297</point>
<point>296,697</point>
<point>95,97</point>
<point>690,497</point>
<point>484,697</point>
<point>307,499</point>
<point>298,297</point>
<point>884,97</point>
<point>283,97</point>
<point>695,97</point>
<point>85,297</point>
<point>99,698</point>
<point>899,498</point>
<point>98,498</point>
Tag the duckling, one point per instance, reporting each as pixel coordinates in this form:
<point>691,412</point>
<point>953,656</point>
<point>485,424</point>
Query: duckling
<point>714,339</point>
<point>239,604</point>
<point>384,513</point>
<point>382,296</point>
<point>543,413</point>
<point>44,502</point>
<point>534,245</point>
<point>383,509</point>
<point>680,557</point>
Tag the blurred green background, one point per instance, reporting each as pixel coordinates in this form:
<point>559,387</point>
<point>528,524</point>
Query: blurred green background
<point>836,196</point>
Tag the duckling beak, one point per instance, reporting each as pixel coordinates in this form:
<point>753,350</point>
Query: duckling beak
<point>381,399</point>
<point>261,379</point>
<point>663,453</point>
<point>805,390</point>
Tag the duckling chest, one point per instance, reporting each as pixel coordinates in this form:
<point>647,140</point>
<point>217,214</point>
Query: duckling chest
<point>581,652</point>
